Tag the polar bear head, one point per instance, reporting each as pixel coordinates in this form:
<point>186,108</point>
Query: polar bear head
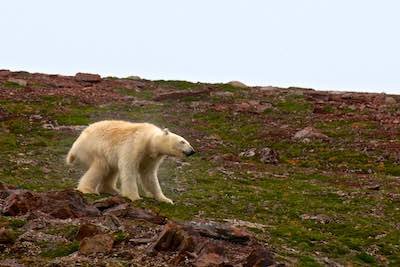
<point>174,145</point>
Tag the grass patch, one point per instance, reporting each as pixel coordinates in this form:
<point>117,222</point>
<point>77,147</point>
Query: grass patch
<point>61,250</point>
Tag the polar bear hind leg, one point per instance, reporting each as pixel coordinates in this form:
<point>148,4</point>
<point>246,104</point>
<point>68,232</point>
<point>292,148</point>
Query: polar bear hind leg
<point>109,183</point>
<point>94,176</point>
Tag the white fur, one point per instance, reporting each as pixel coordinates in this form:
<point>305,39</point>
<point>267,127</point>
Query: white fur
<point>131,151</point>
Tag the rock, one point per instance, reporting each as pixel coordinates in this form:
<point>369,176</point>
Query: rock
<point>134,78</point>
<point>87,77</point>
<point>87,230</point>
<point>58,204</point>
<point>7,236</point>
<point>210,260</point>
<point>259,257</point>
<point>10,263</point>
<point>125,210</point>
<point>320,218</point>
<point>220,231</point>
<point>248,153</point>
<point>389,100</point>
<point>36,117</point>
<point>223,94</point>
<point>4,73</point>
<point>77,128</point>
<point>374,187</point>
<point>237,84</point>
<point>20,82</point>
<point>267,155</point>
<point>101,243</point>
<point>106,203</point>
<point>311,133</point>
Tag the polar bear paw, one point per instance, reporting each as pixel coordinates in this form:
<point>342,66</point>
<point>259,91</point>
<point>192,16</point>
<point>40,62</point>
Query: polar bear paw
<point>165,199</point>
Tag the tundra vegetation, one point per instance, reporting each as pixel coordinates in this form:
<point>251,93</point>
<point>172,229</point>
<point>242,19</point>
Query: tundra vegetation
<point>329,196</point>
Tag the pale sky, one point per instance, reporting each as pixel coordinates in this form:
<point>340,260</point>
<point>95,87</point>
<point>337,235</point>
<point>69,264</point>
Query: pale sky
<point>323,44</point>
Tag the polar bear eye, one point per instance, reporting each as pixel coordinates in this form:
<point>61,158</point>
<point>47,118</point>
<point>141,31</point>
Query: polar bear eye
<point>182,142</point>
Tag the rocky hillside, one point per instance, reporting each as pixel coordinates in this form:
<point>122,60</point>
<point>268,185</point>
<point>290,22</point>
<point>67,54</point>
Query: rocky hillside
<point>283,176</point>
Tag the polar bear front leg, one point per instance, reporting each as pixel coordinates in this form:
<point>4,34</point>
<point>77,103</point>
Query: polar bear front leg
<point>129,176</point>
<point>151,184</point>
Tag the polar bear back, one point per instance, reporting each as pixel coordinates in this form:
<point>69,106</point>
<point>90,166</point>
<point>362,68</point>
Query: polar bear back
<point>106,140</point>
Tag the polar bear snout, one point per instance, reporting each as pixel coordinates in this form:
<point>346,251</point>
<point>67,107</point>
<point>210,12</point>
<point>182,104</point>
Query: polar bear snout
<point>189,152</point>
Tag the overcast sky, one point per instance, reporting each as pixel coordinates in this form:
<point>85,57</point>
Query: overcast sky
<point>324,44</point>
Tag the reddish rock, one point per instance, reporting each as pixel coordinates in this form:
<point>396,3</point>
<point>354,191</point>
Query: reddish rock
<point>10,263</point>
<point>115,206</point>
<point>4,73</point>
<point>259,257</point>
<point>101,243</point>
<point>173,238</point>
<point>6,236</point>
<point>87,230</point>
<point>58,204</point>
<point>210,260</point>
<point>220,231</point>
<point>87,77</point>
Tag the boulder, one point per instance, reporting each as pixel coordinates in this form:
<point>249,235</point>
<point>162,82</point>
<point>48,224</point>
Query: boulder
<point>87,77</point>
<point>101,243</point>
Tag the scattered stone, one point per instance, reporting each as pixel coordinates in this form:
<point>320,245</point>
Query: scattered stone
<point>320,218</point>
<point>87,230</point>
<point>10,263</point>
<point>311,133</point>
<point>240,223</point>
<point>173,238</point>
<point>106,203</point>
<point>7,236</point>
<point>211,260</point>
<point>87,77</point>
<point>259,257</point>
<point>223,93</point>
<point>220,231</point>
<point>77,128</point>
<point>125,210</point>
<point>389,100</point>
<point>36,117</point>
<point>237,84</point>
<point>101,243</point>
<point>20,82</point>
<point>248,153</point>
<point>374,187</point>
<point>267,155</point>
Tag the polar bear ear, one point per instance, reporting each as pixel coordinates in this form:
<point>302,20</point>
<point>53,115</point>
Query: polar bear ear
<point>166,131</point>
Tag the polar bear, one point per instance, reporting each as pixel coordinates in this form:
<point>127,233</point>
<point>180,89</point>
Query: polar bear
<point>131,151</point>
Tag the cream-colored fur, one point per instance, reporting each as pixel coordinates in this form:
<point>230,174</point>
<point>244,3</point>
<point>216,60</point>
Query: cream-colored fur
<point>131,152</point>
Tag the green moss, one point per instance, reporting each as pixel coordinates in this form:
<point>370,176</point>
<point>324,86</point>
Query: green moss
<point>12,85</point>
<point>145,94</point>
<point>120,236</point>
<point>180,85</point>
<point>294,104</point>
<point>61,250</point>
<point>366,258</point>
<point>308,261</point>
